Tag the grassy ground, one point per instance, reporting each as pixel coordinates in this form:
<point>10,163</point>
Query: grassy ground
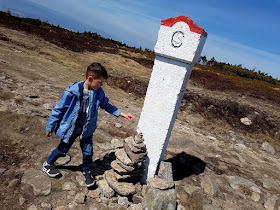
<point>34,73</point>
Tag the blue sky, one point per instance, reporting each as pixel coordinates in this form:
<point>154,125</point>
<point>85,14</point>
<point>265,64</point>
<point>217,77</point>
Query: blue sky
<point>239,32</point>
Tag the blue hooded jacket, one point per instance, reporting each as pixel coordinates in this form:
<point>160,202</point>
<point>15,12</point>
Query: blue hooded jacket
<point>64,114</point>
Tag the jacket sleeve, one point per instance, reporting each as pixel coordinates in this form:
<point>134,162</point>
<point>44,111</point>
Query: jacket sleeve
<point>58,110</point>
<point>104,104</point>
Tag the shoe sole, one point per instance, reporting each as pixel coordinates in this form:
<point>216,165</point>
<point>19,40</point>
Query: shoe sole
<point>51,175</point>
<point>90,185</point>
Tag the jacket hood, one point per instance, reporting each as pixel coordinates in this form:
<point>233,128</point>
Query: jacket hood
<point>76,88</point>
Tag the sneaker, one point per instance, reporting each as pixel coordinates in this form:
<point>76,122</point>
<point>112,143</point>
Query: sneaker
<point>89,180</point>
<point>50,169</point>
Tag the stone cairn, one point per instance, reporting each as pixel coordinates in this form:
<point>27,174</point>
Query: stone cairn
<point>128,167</point>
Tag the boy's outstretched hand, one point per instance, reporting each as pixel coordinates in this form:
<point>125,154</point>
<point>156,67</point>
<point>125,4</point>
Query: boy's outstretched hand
<point>48,134</point>
<point>127,116</point>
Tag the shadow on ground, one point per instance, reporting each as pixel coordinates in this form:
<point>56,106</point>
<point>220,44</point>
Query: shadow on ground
<point>98,166</point>
<point>184,165</point>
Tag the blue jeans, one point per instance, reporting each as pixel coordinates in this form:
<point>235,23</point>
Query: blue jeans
<point>62,149</point>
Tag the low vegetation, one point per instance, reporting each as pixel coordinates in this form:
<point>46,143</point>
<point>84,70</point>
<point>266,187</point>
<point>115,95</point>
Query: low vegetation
<point>239,70</point>
<point>230,112</point>
<point>218,80</point>
<point>47,27</point>
<point>129,85</point>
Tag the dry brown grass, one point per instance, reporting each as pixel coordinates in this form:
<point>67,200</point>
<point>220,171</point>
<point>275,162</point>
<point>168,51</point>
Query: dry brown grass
<point>193,202</point>
<point>230,112</point>
<point>6,95</point>
<point>129,85</point>
<point>215,79</point>
<point>22,123</point>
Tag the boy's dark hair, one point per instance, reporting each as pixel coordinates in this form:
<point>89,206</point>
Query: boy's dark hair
<point>96,70</point>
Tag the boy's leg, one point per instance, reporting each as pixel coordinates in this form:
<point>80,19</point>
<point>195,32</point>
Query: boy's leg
<point>61,150</point>
<point>86,146</point>
<point>58,152</point>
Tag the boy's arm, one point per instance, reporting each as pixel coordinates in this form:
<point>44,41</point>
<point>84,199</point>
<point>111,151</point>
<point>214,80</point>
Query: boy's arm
<point>57,112</point>
<point>104,104</point>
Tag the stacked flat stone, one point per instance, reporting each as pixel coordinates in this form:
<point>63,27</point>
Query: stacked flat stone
<point>129,163</point>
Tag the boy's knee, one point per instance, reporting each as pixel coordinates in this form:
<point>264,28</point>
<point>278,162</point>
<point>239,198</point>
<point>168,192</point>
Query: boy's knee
<point>88,153</point>
<point>88,150</point>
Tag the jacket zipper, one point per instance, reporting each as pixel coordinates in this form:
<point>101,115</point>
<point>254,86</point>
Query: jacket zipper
<point>74,120</point>
<point>86,115</point>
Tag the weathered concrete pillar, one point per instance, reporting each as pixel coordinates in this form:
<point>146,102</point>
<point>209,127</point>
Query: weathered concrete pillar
<point>179,45</point>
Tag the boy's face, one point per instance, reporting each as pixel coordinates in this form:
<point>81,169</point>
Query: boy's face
<point>95,84</point>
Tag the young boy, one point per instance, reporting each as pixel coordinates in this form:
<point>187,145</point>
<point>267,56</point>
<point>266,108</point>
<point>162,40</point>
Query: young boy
<point>75,115</point>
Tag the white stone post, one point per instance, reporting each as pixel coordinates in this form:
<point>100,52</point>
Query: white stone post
<point>179,45</point>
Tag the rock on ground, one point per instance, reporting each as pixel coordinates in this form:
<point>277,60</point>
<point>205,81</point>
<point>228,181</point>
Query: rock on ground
<point>158,183</point>
<point>123,188</point>
<point>105,189</point>
<point>268,148</point>
<point>38,180</point>
<point>116,143</point>
<point>165,170</point>
<point>69,186</point>
<point>236,182</point>
<point>160,199</point>
<point>270,202</point>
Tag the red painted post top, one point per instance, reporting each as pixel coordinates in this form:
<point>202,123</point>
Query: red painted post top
<point>193,27</point>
